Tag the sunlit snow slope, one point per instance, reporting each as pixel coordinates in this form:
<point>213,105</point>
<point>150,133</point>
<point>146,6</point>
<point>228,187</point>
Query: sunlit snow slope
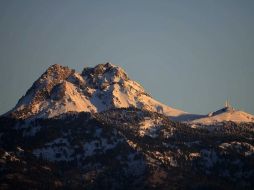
<point>225,114</point>
<point>60,90</point>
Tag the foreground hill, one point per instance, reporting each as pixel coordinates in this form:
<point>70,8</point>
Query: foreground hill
<point>124,149</point>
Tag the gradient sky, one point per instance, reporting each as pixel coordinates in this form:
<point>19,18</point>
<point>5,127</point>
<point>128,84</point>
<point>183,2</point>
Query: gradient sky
<point>191,55</point>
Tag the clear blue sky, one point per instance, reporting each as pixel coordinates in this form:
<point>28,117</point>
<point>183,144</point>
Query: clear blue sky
<point>191,54</point>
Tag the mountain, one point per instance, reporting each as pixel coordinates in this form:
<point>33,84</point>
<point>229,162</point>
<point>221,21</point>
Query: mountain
<point>227,113</point>
<point>100,130</point>
<point>60,90</point>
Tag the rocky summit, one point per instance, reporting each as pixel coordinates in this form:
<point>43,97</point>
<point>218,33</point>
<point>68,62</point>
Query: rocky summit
<point>99,129</point>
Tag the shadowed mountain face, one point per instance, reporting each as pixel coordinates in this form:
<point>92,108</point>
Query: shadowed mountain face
<point>124,149</point>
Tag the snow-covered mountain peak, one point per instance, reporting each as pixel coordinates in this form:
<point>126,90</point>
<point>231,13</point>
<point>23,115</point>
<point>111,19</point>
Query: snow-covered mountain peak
<point>61,90</point>
<point>56,72</point>
<point>54,75</point>
<point>101,69</point>
<point>105,86</point>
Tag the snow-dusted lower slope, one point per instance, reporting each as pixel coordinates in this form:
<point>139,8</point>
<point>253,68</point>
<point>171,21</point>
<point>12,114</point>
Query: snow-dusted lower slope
<point>225,114</point>
<point>60,90</point>
<point>121,148</point>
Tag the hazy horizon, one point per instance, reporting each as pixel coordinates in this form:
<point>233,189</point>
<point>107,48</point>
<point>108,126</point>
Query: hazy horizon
<point>190,55</point>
